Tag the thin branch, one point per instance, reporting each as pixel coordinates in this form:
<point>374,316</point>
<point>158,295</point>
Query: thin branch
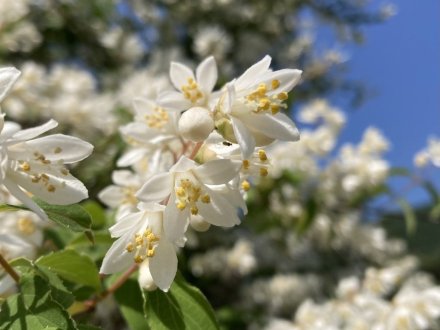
<point>9,269</point>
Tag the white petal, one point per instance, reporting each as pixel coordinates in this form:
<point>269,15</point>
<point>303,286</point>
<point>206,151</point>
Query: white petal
<point>8,76</point>
<point>143,106</point>
<point>183,164</point>
<point>249,77</point>
<point>33,132</point>
<point>66,188</point>
<point>117,258</point>
<point>219,211</point>
<point>217,171</point>
<point>58,147</point>
<point>175,221</point>
<point>163,266</point>
<point>18,193</point>
<point>180,74</point>
<point>151,207</point>
<point>132,156</point>
<point>127,224</point>
<point>206,74</point>
<point>277,126</point>
<point>288,79</point>
<point>244,137</point>
<point>112,196</point>
<point>157,188</point>
<point>173,101</point>
<point>125,178</point>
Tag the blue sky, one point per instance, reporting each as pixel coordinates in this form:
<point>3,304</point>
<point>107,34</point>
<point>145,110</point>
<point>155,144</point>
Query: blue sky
<point>400,63</point>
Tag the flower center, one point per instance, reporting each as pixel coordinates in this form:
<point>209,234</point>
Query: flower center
<point>258,164</point>
<point>267,103</point>
<point>26,226</point>
<point>188,194</point>
<point>158,119</point>
<point>192,92</point>
<point>143,244</point>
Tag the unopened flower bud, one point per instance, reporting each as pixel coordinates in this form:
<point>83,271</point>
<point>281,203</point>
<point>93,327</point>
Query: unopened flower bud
<point>199,224</point>
<point>145,279</point>
<point>196,124</point>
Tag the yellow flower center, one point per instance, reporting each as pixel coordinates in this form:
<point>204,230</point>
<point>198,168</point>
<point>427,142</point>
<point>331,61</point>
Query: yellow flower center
<point>158,119</point>
<point>192,92</point>
<point>143,245</point>
<point>26,226</point>
<point>267,103</point>
<point>188,194</point>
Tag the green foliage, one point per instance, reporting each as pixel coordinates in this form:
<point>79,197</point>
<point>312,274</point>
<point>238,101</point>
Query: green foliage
<point>130,300</point>
<point>73,267</point>
<point>41,304</point>
<point>183,307</point>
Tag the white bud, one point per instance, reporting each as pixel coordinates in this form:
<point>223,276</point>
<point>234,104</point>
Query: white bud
<point>196,124</point>
<point>199,224</point>
<point>145,279</point>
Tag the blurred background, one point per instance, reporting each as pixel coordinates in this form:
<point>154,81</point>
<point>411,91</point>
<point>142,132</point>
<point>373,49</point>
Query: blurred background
<point>343,234</point>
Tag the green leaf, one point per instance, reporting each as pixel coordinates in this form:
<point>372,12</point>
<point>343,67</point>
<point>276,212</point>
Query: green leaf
<point>129,297</point>
<point>72,266</point>
<point>34,308</point>
<point>183,307</point>
<point>73,217</point>
<point>96,212</point>
<point>408,213</point>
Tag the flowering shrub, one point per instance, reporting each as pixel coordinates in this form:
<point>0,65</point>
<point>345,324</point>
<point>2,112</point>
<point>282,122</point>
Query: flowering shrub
<point>196,202</point>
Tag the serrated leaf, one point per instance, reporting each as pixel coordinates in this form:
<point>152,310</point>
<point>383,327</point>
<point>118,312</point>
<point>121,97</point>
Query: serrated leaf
<point>34,308</point>
<point>183,307</point>
<point>73,217</point>
<point>72,266</point>
<point>130,300</point>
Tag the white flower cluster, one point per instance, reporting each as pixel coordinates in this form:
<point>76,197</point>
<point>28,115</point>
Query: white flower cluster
<point>391,298</point>
<point>431,154</point>
<point>17,33</point>
<point>64,93</point>
<point>33,165</point>
<point>20,236</point>
<point>192,151</point>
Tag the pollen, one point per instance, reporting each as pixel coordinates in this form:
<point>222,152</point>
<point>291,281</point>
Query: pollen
<point>263,171</point>
<point>192,92</point>
<point>130,247</point>
<point>143,244</point>
<point>194,210</point>
<point>57,150</point>
<point>206,199</point>
<point>181,205</point>
<point>262,155</point>
<point>158,119</point>
<point>246,164</point>
<point>245,185</point>
<point>283,96</point>
<point>51,188</point>
<point>275,84</point>
<point>25,166</point>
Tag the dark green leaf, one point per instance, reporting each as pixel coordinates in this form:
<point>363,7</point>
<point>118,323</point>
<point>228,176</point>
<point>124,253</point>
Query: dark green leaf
<point>183,307</point>
<point>129,297</point>
<point>73,217</point>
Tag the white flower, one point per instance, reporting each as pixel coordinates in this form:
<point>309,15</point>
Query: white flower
<point>121,194</point>
<point>36,165</point>
<point>192,194</point>
<point>140,239</point>
<point>192,90</point>
<point>249,110</point>
<point>8,76</point>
